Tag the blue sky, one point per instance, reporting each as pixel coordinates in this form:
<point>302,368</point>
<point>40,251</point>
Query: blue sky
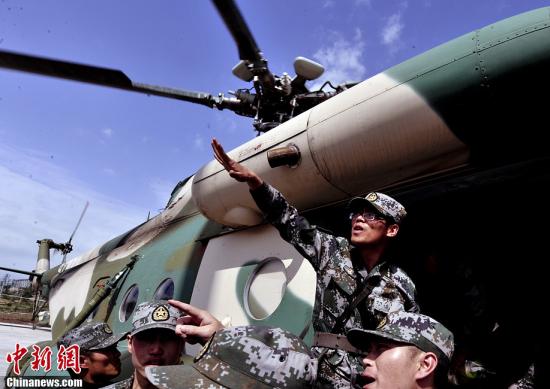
<point>63,143</point>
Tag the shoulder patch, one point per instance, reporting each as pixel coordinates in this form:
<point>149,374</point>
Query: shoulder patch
<point>160,314</point>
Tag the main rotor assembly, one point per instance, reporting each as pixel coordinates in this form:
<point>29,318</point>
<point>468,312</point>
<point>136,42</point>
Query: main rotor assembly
<point>271,100</point>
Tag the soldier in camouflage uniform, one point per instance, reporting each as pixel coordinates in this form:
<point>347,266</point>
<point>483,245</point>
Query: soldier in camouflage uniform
<point>152,341</point>
<point>251,357</point>
<point>414,346</point>
<point>343,271</point>
<point>99,356</point>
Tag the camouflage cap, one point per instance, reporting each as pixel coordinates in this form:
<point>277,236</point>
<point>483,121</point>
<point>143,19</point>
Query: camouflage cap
<point>93,335</point>
<point>384,204</point>
<point>154,314</point>
<point>252,357</point>
<point>412,328</point>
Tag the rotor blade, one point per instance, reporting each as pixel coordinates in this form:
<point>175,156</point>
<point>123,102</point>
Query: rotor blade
<point>79,220</point>
<point>248,49</point>
<point>30,273</point>
<point>95,75</point>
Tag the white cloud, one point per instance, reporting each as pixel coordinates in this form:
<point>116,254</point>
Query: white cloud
<point>38,200</point>
<point>392,30</point>
<point>341,59</point>
<point>107,132</point>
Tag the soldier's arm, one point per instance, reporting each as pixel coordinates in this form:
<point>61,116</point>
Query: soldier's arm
<point>239,172</point>
<point>293,228</point>
<point>407,289</point>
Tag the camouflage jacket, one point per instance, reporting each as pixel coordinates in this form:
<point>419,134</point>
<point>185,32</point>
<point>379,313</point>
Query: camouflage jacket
<point>340,273</point>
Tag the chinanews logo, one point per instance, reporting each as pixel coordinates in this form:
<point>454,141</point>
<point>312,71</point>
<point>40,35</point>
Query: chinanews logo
<point>36,382</point>
<point>41,360</point>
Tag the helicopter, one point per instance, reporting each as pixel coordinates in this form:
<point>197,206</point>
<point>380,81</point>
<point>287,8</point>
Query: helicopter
<point>456,132</point>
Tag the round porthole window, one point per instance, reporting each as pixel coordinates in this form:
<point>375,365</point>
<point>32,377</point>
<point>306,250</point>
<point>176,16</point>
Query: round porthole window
<point>128,303</point>
<point>165,290</point>
<point>265,288</point>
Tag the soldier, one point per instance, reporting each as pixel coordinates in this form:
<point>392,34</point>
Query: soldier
<point>99,356</point>
<point>251,357</point>
<point>152,341</point>
<point>356,287</point>
<point>407,350</point>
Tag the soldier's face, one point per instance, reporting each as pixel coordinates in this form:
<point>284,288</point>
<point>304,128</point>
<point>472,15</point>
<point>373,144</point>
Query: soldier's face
<point>102,365</point>
<point>157,346</point>
<point>369,231</point>
<point>390,365</point>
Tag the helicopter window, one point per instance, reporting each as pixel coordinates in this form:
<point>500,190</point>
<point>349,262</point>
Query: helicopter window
<point>265,288</point>
<point>128,303</point>
<point>165,290</point>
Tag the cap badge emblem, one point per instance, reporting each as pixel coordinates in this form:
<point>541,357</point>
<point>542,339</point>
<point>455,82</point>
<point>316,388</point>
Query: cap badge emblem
<point>372,197</point>
<point>107,330</point>
<point>160,314</point>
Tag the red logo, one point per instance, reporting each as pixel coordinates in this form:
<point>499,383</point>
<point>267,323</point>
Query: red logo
<point>67,358</point>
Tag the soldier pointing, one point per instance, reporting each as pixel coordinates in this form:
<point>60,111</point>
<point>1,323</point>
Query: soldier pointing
<point>356,285</point>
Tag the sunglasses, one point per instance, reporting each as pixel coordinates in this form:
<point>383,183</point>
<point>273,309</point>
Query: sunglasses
<point>367,215</point>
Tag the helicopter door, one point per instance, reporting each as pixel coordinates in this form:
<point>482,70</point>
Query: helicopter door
<point>253,276</point>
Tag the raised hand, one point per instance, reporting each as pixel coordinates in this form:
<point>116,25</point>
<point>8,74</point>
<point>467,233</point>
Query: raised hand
<point>236,170</point>
<point>197,326</point>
